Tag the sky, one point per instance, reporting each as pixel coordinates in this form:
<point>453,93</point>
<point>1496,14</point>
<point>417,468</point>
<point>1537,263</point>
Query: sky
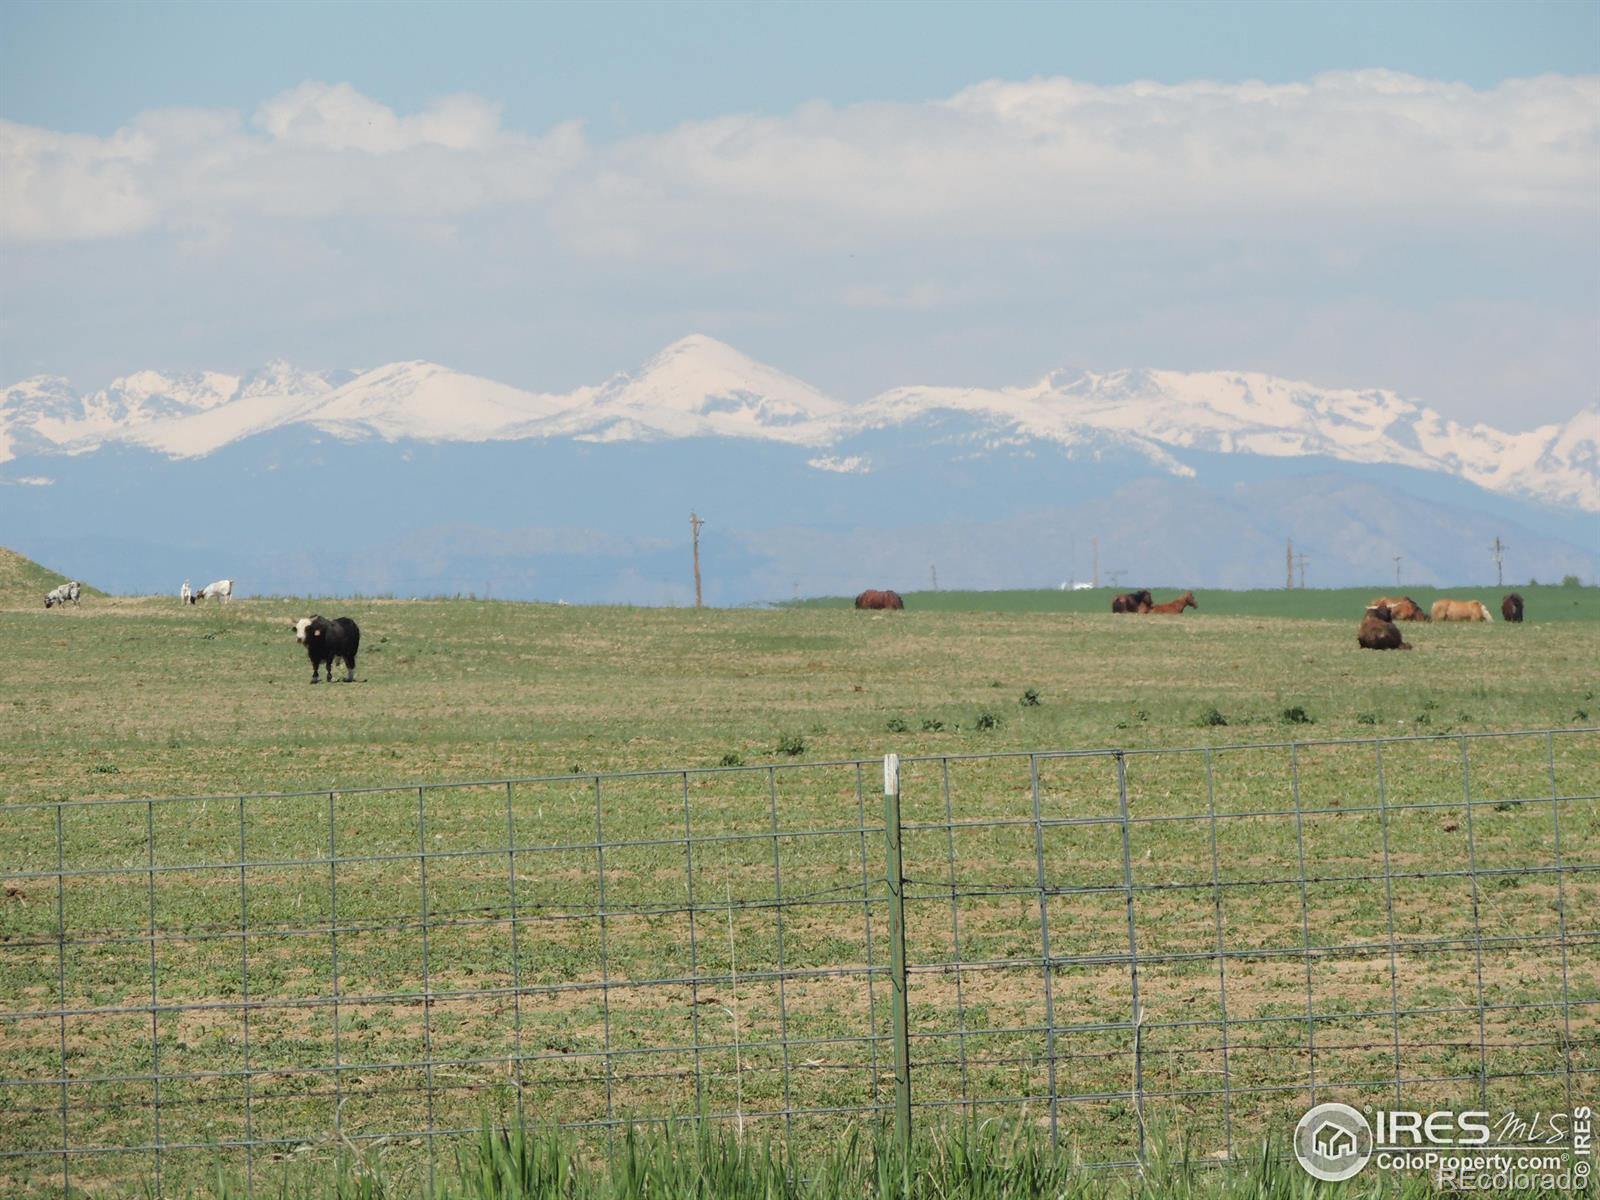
<point>864,195</point>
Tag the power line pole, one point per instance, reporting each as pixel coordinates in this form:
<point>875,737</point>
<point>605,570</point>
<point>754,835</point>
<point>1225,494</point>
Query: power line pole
<point>1096,543</point>
<point>1301,559</point>
<point>1288,559</point>
<point>1397,559</point>
<point>694,527</point>
<point>1499,552</point>
<point>933,575</point>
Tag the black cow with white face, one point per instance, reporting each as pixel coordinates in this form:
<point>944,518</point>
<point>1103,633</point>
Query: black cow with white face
<point>327,640</point>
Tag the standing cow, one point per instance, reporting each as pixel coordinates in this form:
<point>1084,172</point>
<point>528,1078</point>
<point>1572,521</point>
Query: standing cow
<point>326,640</point>
<point>222,589</point>
<point>1511,608</point>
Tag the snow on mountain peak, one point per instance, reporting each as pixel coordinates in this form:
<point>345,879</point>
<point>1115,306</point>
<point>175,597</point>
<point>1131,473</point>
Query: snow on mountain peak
<point>701,387</point>
<point>150,395</point>
<point>428,402</point>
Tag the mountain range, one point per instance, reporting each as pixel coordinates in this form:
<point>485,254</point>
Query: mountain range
<point>416,448</point>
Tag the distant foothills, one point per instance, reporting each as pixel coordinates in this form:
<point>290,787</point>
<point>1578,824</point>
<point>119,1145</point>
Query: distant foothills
<point>415,479</point>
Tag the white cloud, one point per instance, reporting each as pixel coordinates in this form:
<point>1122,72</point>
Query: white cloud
<point>1001,159</point>
<point>66,186</point>
<point>1053,155</point>
<point>315,152</point>
<point>337,117</point>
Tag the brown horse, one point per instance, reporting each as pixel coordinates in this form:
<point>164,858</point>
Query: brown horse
<point>1177,606</point>
<point>1378,632</point>
<point>872,598</point>
<point>1133,602</point>
<point>1511,608</point>
<point>1401,608</point>
<point>1460,610</point>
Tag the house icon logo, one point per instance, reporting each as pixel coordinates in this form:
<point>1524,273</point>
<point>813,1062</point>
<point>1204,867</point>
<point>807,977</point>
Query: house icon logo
<point>1333,1142</point>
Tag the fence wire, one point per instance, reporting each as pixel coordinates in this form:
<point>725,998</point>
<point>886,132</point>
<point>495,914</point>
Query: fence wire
<point>1203,940</point>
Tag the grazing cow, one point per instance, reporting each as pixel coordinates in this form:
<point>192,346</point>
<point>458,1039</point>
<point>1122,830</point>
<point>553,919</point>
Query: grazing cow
<point>1511,608</point>
<point>1379,632</point>
<point>1133,602</point>
<point>1177,606</point>
<point>1460,610</point>
<point>222,588</point>
<point>74,589</point>
<point>326,640</point>
<point>186,594</point>
<point>58,595</point>
<point>872,598</point>
<point>1401,608</point>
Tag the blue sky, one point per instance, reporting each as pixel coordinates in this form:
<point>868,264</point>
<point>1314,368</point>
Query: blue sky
<point>864,195</point>
<point>87,67</point>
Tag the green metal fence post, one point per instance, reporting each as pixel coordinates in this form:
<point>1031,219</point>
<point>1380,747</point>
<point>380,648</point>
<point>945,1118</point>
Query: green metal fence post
<point>897,956</point>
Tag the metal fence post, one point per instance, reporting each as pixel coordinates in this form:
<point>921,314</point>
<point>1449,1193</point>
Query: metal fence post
<point>897,955</point>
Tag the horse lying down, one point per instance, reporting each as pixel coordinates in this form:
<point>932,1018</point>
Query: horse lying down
<point>327,640</point>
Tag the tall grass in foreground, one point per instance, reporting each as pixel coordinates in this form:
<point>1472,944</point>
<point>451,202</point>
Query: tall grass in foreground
<point>988,1161</point>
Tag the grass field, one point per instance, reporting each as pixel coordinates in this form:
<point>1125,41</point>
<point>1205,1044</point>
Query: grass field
<point>139,698</point>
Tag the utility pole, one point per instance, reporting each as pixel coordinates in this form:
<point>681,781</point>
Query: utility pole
<point>1115,576</point>
<point>1096,542</point>
<point>1396,558</point>
<point>694,527</point>
<point>1499,552</point>
<point>1301,559</point>
<point>1288,559</point>
<point>933,575</point>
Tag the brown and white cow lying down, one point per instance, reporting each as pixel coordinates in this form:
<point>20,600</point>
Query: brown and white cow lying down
<point>327,640</point>
<point>1378,632</point>
<point>1460,610</point>
<point>1401,608</point>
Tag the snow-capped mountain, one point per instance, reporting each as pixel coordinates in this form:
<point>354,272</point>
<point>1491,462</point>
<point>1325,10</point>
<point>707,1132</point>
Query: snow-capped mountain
<point>1160,412</point>
<point>702,388</point>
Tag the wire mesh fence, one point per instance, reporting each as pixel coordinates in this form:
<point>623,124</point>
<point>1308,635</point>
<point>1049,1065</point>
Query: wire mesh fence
<point>1203,940</point>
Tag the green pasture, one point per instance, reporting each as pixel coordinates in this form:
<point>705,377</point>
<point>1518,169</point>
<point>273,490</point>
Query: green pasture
<point>1544,602</point>
<point>144,697</point>
<point>136,698</point>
